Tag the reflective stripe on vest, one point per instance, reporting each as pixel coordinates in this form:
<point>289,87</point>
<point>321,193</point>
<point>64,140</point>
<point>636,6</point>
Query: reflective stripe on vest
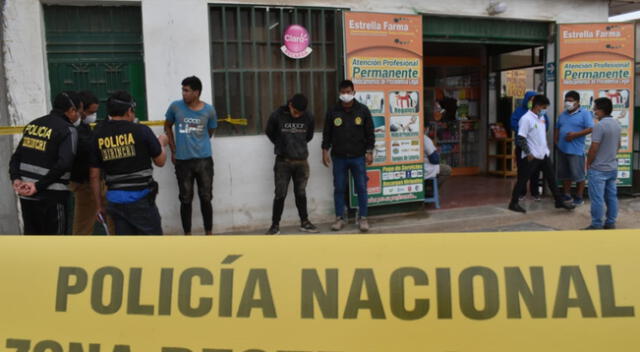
<point>130,180</point>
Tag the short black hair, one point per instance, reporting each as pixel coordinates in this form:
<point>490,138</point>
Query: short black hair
<point>193,82</point>
<point>540,100</point>
<point>299,102</point>
<point>88,98</point>
<point>604,104</point>
<point>573,95</point>
<point>66,100</point>
<point>119,103</point>
<point>347,83</point>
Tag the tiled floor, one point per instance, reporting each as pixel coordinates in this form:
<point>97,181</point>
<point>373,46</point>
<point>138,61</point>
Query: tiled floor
<point>468,191</point>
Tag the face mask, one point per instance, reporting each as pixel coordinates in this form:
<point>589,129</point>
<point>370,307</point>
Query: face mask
<point>89,119</point>
<point>77,122</point>
<point>136,120</point>
<point>346,98</point>
<point>542,112</point>
<point>529,105</point>
<point>569,105</point>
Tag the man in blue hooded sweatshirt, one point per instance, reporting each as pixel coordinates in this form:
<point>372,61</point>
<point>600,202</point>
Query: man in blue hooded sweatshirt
<point>534,182</point>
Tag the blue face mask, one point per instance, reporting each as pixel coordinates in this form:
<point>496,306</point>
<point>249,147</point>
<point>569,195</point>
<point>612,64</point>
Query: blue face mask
<point>542,112</point>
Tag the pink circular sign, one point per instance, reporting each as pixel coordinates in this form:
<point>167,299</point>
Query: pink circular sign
<point>296,42</point>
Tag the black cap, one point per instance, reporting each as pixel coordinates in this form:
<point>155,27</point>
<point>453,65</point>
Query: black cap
<point>299,102</point>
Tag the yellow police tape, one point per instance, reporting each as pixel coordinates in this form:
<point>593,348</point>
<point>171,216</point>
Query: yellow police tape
<point>6,130</point>
<point>551,291</point>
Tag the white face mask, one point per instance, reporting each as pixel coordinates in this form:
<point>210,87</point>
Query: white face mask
<point>346,98</point>
<point>542,112</point>
<point>569,105</point>
<point>77,122</point>
<point>89,119</point>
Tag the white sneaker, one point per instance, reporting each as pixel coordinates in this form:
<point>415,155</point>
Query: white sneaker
<point>364,224</point>
<point>338,225</point>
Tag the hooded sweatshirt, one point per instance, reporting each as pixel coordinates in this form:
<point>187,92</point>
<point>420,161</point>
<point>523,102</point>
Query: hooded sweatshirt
<point>290,135</point>
<point>521,110</point>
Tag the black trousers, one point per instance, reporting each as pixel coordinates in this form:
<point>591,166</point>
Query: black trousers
<point>44,217</point>
<point>284,171</point>
<point>534,180</point>
<point>524,175</point>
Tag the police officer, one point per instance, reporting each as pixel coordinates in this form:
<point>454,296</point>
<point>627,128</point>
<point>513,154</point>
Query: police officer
<point>124,150</point>
<point>347,141</point>
<point>41,165</point>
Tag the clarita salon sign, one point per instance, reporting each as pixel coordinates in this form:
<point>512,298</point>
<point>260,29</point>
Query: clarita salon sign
<point>296,42</point>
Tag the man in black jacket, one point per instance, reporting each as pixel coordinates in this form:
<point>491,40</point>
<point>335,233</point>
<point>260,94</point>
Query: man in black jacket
<point>290,128</point>
<point>348,133</point>
<point>40,167</point>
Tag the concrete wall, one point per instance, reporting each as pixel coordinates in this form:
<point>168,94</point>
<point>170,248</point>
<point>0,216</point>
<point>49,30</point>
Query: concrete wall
<point>8,209</point>
<point>176,45</point>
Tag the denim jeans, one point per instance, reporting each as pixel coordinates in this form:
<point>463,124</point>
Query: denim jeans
<point>602,190</point>
<point>340,177</point>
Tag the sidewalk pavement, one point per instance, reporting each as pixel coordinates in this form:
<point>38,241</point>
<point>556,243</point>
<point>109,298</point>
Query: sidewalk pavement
<point>540,216</point>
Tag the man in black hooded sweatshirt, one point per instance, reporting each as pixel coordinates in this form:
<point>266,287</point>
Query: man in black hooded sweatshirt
<point>290,128</point>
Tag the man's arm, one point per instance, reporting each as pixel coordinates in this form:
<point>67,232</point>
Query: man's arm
<point>326,139</point>
<point>160,159</point>
<point>168,130</point>
<point>311,126</point>
<point>573,135</point>
<point>272,127</point>
<point>591,155</point>
<point>370,137</point>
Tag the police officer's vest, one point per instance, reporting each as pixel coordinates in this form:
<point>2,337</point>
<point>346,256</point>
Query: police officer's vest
<point>124,153</point>
<point>40,149</point>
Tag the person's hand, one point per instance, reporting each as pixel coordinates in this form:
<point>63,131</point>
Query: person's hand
<point>16,185</point>
<point>163,139</point>
<point>369,158</point>
<point>326,158</point>
<point>27,189</point>
<point>570,136</point>
<point>530,157</point>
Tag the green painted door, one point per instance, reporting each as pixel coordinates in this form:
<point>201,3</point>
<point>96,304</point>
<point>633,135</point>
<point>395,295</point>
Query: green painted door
<point>96,48</point>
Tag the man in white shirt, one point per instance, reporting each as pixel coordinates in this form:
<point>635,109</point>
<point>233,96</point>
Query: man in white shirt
<point>532,139</point>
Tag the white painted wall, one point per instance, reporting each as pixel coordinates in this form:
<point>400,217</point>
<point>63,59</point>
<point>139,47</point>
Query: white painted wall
<point>176,45</point>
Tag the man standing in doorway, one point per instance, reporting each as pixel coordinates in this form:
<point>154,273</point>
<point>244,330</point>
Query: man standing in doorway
<point>532,140</point>
<point>290,128</point>
<point>195,122</point>
<point>348,141</point>
<point>602,164</point>
<point>123,151</point>
<point>534,181</point>
<point>573,125</point>
<point>40,166</point>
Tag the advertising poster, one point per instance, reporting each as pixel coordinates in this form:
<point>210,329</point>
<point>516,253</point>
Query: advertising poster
<point>597,60</point>
<point>384,61</point>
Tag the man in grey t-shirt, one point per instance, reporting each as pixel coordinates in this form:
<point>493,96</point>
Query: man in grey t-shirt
<point>602,164</point>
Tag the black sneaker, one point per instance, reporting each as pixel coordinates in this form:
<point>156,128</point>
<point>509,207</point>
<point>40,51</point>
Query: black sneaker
<point>273,230</point>
<point>609,226</point>
<point>307,226</point>
<point>565,205</point>
<point>591,227</point>
<point>517,208</point>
